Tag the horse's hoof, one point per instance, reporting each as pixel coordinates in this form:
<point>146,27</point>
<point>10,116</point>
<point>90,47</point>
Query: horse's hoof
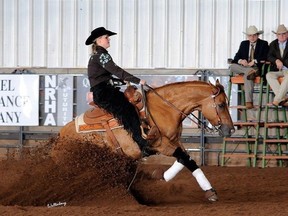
<point>158,174</point>
<point>211,195</point>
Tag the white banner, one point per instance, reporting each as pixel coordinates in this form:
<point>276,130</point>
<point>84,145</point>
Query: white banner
<point>64,99</point>
<point>58,100</point>
<point>19,100</point>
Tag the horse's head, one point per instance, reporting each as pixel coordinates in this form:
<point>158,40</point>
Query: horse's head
<point>215,109</point>
<point>184,98</point>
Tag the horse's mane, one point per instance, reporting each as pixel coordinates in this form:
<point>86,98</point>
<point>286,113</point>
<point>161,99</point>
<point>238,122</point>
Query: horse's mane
<point>195,83</point>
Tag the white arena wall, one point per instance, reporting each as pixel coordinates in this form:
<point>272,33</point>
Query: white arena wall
<point>155,37</point>
<point>152,34</point>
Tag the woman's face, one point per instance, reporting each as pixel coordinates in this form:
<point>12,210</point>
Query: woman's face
<point>103,41</point>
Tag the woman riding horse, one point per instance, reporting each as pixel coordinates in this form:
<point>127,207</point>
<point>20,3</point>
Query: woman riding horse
<point>167,107</point>
<point>105,95</point>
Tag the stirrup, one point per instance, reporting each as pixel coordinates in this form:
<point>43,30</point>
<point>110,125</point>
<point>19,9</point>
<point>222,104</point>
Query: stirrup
<point>143,134</point>
<point>150,134</point>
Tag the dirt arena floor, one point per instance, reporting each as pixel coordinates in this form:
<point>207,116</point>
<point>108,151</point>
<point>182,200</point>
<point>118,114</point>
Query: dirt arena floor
<point>91,181</point>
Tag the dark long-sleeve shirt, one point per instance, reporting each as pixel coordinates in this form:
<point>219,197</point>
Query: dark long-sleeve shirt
<point>274,54</point>
<point>260,54</point>
<point>101,67</point>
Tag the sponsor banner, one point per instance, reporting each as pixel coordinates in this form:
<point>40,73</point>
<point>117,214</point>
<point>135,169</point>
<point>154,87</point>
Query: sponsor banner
<point>64,99</point>
<point>50,100</point>
<point>19,100</point>
<point>58,100</point>
<point>83,94</point>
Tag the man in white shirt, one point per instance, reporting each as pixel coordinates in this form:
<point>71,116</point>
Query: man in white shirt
<point>278,56</point>
<point>248,61</point>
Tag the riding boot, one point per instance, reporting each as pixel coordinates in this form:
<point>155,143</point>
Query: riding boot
<point>144,146</point>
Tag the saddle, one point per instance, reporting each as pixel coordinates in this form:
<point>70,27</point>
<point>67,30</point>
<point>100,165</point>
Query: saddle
<point>97,119</point>
<point>135,97</point>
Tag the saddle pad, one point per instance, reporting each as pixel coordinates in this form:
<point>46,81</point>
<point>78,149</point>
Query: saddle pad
<point>82,127</point>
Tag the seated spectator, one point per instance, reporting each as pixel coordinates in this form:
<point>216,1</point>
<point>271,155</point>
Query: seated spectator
<point>248,61</point>
<point>278,57</point>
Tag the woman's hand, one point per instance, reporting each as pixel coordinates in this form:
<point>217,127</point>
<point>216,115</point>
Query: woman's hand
<point>142,82</point>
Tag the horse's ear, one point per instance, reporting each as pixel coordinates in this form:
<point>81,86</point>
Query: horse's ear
<point>219,85</point>
<point>212,84</point>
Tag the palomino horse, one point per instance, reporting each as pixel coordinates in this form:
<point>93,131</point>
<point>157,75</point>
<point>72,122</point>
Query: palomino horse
<point>167,107</point>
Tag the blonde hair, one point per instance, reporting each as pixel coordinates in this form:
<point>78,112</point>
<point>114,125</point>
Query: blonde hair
<point>94,45</point>
<point>93,48</point>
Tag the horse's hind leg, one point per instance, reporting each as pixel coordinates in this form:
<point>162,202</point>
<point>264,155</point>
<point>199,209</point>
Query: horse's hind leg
<point>183,159</point>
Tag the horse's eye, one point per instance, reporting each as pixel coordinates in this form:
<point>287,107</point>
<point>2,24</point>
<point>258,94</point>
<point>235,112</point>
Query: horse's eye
<point>222,105</point>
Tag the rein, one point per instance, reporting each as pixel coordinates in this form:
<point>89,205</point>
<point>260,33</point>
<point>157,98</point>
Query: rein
<point>199,123</point>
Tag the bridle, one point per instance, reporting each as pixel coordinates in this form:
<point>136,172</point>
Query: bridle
<point>214,105</point>
<point>198,122</point>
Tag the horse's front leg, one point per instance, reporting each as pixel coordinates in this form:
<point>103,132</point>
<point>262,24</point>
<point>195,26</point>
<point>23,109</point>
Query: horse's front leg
<point>183,159</point>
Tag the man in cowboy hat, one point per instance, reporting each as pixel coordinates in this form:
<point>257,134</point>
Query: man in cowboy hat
<point>101,69</point>
<point>248,61</point>
<point>278,56</point>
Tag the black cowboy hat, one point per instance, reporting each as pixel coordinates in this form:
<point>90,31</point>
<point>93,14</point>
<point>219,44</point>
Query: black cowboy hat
<point>97,33</point>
